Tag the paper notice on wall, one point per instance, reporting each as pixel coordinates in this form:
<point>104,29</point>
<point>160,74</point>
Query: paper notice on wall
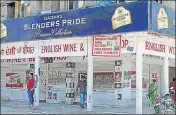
<point>52,94</point>
<point>126,88</point>
<point>107,46</point>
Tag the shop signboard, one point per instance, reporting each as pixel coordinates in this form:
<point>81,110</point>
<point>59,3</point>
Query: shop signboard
<point>18,50</point>
<point>159,49</point>
<point>115,18</point>
<point>47,48</point>
<point>63,47</point>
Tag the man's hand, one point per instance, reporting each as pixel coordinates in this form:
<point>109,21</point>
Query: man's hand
<point>76,90</point>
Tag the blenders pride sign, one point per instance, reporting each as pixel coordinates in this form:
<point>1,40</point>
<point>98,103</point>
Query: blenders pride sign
<point>81,22</point>
<point>56,23</point>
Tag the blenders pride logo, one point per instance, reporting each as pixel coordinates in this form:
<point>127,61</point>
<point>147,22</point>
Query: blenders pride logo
<point>162,19</point>
<point>120,18</point>
<point>55,25</point>
<point>3,30</point>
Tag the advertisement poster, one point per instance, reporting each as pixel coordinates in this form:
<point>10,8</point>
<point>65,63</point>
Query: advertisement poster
<point>118,76</point>
<point>121,18</point>
<point>52,94</point>
<point>53,86</point>
<point>101,80</point>
<point>13,80</point>
<point>133,80</point>
<point>162,19</point>
<point>106,46</point>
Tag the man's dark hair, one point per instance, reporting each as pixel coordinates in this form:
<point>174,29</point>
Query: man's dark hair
<point>31,74</point>
<point>174,79</point>
<point>154,80</point>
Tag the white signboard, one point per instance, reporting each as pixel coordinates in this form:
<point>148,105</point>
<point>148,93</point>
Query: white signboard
<point>159,49</point>
<point>107,45</point>
<point>47,48</point>
<point>63,47</point>
<point>18,50</point>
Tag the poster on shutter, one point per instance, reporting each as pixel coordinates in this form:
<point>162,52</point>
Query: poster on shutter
<point>155,72</point>
<point>133,80</point>
<point>127,76</point>
<point>118,76</point>
<point>13,80</point>
<point>52,94</point>
<point>107,46</point>
<point>126,88</point>
<point>101,80</point>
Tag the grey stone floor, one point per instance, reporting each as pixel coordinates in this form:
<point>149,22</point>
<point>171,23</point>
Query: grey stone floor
<point>18,107</point>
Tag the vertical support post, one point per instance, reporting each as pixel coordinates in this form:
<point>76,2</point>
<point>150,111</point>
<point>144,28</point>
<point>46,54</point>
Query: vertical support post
<point>37,76</point>
<point>166,75</point>
<point>90,77</point>
<point>36,89</point>
<point>139,70</point>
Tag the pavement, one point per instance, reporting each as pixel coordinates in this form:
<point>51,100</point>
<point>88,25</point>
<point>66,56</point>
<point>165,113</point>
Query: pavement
<point>19,107</point>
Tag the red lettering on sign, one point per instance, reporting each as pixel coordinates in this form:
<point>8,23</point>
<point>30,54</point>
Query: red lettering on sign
<point>32,59</point>
<point>171,50</point>
<point>154,46</point>
<point>47,49</point>
<point>61,48</point>
<point>11,51</point>
<point>124,43</point>
<point>57,48</point>
<point>69,47</point>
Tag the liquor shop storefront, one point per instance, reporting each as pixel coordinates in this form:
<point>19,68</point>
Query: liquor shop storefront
<point>98,37</point>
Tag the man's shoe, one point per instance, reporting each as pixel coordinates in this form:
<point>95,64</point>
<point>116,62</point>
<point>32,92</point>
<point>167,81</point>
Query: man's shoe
<point>82,106</point>
<point>30,105</point>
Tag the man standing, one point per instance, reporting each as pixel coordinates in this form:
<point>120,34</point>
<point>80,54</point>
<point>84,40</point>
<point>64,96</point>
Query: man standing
<point>30,89</point>
<point>82,85</point>
<point>153,92</point>
<point>173,84</point>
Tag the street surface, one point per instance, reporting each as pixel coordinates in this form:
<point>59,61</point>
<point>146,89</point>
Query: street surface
<point>19,107</point>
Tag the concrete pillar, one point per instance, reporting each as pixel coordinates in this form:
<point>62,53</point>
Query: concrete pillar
<point>90,77</point>
<point>139,70</point>
<point>37,76</point>
<point>36,88</point>
<point>166,75</point>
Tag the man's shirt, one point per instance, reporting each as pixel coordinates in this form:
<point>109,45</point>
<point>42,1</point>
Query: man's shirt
<point>30,83</point>
<point>82,85</point>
